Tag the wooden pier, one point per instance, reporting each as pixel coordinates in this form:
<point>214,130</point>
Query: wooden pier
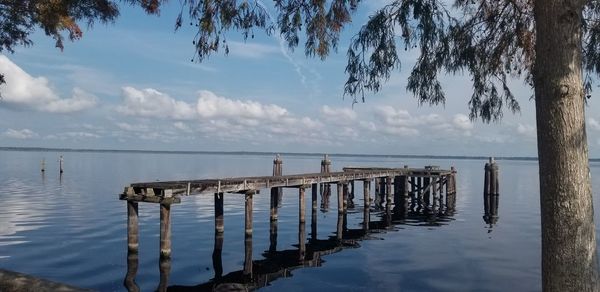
<point>400,191</point>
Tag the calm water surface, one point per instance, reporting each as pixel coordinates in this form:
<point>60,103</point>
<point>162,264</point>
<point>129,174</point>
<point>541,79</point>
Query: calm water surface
<point>73,229</point>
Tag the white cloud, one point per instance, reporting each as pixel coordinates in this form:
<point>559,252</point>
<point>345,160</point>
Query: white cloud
<point>338,116</point>
<point>526,130</point>
<point>462,122</point>
<point>594,124</point>
<point>20,134</point>
<point>24,91</point>
<point>153,103</point>
<point>212,106</point>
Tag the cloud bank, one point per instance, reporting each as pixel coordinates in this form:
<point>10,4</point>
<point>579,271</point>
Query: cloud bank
<point>25,92</point>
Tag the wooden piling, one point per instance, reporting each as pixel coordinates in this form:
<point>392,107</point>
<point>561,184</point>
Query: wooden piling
<point>325,189</point>
<point>366,218</point>
<point>397,192</point>
<point>313,221</point>
<point>494,179</point>
<point>301,241</point>
<point>165,230</point>
<point>273,236</point>
<point>219,222</point>
<point>248,255</point>
<point>435,195</point>
<point>340,193</point>
<point>345,196</point>
<point>351,193</point>
<point>340,226</point>
<point>217,256</point>
<point>61,164</point>
<point>132,227</point>
<point>164,266</point>
<point>301,205</point>
<point>426,192</point>
<point>486,179</point>
<point>388,191</point>
<point>132,268</point>
<point>43,165</point>
<point>366,193</point>
<point>274,203</point>
<point>377,182</point>
<point>248,212</point>
<point>276,193</point>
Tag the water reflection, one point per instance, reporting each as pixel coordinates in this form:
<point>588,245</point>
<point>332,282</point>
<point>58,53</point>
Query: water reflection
<point>307,253</point>
<point>490,209</point>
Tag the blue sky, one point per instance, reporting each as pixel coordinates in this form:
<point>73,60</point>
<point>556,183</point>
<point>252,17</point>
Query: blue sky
<point>131,85</point>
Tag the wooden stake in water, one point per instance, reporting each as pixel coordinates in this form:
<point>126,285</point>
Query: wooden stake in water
<point>43,167</point>
<point>61,162</point>
<point>165,230</point>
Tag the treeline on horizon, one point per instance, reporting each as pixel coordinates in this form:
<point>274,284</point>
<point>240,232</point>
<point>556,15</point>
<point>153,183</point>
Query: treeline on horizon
<point>45,149</point>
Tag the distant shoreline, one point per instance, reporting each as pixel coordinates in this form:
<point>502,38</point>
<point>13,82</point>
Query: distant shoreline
<point>259,153</point>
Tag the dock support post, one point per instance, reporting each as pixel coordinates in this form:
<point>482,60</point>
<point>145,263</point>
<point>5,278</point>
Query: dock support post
<point>248,212</point>
<point>274,204</point>
<point>366,193</point>
<point>388,191</point>
<point>276,193</point>
<point>435,194</point>
<point>164,266</point>
<point>367,203</point>
<point>301,241</point>
<point>132,227</point>
<point>340,226</point>
<point>248,255</point>
<point>273,236</point>
<point>301,204</point>
<point>248,234</point>
<point>377,182</point>
<point>219,221</point>
<point>165,230</point>
<point>397,192</point>
<point>426,194</point>
<point>351,193</point>
<point>132,268</point>
<point>217,258</point>
<point>313,221</point>
<point>325,188</point>
<point>340,193</point>
<point>345,196</point>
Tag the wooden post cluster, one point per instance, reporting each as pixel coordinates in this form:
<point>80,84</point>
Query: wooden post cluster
<point>325,188</point>
<point>491,178</point>
<point>491,192</point>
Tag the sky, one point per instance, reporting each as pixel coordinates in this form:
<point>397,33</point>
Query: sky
<point>132,85</point>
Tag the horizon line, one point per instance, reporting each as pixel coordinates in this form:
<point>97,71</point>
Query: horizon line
<point>242,152</point>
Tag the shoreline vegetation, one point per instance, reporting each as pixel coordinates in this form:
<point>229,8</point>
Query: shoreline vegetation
<point>269,153</point>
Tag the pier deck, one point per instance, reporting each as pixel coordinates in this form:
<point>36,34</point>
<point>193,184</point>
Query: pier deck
<point>170,191</point>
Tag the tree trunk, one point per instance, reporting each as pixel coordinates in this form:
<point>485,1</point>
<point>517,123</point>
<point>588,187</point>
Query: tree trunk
<point>569,261</point>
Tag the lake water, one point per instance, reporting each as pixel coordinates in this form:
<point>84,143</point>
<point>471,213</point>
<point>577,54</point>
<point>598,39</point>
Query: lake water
<point>72,229</point>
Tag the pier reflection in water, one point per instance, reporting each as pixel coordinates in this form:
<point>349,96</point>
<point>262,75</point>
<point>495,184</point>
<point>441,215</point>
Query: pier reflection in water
<point>417,208</point>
